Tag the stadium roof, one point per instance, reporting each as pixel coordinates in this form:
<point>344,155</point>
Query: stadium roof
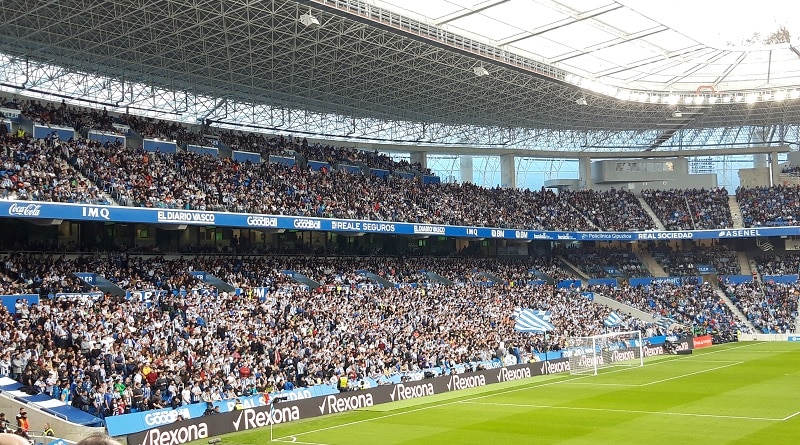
<point>565,74</point>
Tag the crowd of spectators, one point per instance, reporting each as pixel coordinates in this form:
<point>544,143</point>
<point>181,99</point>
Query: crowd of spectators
<point>605,261</point>
<point>190,344</point>
<point>691,209</point>
<point>202,182</point>
<point>769,206</point>
<point>771,307</point>
<point>721,259</point>
<point>690,304</point>
<point>610,210</point>
<point>778,263</point>
<point>35,169</point>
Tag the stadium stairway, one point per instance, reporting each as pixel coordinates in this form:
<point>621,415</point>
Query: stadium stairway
<point>376,278</point>
<point>68,422</point>
<point>573,268</point>
<point>652,265</point>
<point>647,209</point>
<point>623,308</point>
<point>207,278</point>
<point>490,277</point>
<point>736,212</point>
<point>724,297</point>
<point>101,283</point>
<point>547,279</point>
<point>744,263</point>
<point>302,279</point>
<point>436,277</point>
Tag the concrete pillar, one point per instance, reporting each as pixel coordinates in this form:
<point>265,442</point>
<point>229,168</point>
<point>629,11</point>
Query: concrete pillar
<point>508,172</point>
<point>420,157</point>
<point>775,169</point>
<point>465,168</point>
<point>585,173</point>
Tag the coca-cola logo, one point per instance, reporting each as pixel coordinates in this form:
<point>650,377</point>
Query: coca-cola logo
<point>25,210</point>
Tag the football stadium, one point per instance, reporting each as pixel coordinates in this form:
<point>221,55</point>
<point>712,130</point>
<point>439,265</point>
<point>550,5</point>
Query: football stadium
<point>340,222</point>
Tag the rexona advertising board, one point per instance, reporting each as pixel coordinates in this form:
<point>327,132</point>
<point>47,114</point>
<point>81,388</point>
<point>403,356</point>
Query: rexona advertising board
<point>198,428</point>
<point>177,433</point>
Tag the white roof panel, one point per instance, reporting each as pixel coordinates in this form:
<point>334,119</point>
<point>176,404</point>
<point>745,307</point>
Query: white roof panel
<point>545,47</point>
<point>484,26</point>
<point>627,20</point>
<point>580,35</point>
<point>525,14</point>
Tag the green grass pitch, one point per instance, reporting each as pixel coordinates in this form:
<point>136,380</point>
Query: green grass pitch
<point>739,393</point>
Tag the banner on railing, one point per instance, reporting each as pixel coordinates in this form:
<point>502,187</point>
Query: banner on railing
<point>85,212</point>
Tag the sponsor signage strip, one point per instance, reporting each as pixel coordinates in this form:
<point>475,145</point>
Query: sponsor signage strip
<point>85,212</point>
<point>169,432</point>
<point>258,414</point>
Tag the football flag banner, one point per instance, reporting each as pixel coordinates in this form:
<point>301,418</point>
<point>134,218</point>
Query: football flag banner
<point>529,320</point>
<point>613,319</point>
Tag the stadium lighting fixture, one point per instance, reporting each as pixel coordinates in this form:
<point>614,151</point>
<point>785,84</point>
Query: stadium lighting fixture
<point>673,99</point>
<point>712,100</point>
<point>480,71</point>
<point>751,98</point>
<point>677,113</point>
<point>794,94</point>
<point>780,95</point>
<point>308,19</point>
<point>688,100</point>
<point>581,101</point>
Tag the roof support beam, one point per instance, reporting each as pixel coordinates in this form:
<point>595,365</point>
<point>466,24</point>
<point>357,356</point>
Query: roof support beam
<point>574,18</point>
<point>469,11</point>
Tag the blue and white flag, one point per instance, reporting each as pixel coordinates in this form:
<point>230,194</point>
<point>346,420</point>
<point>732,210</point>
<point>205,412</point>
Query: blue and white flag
<point>664,322</point>
<point>529,320</point>
<point>613,319</point>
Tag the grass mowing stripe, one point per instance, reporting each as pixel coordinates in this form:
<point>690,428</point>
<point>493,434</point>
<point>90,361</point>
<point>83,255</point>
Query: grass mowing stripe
<point>722,395</point>
<point>632,411</point>
<point>666,359</point>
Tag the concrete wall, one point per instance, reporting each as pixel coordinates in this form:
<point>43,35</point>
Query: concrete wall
<point>37,419</point>
<point>754,177</point>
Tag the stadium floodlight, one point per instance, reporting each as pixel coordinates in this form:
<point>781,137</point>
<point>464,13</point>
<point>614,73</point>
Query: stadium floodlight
<point>480,71</point>
<point>780,95</point>
<point>794,94</point>
<point>308,19</point>
<point>581,101</point>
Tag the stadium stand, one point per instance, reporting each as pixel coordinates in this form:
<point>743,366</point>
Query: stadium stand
<point>690,209</point>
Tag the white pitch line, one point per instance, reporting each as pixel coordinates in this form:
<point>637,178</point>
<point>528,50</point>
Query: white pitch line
<point>791,415</point>
<point>517,389</point>
<point>627,385</point>
<point>628,411</point>
<point>690,374</point>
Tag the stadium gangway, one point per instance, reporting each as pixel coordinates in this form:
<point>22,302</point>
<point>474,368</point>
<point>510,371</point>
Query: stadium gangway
<point>377,279</point>
<point>101,283</point>
<point>302,279</point>
<point>437,278</point>
<point>219,283</point>
<point>490,277</point>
